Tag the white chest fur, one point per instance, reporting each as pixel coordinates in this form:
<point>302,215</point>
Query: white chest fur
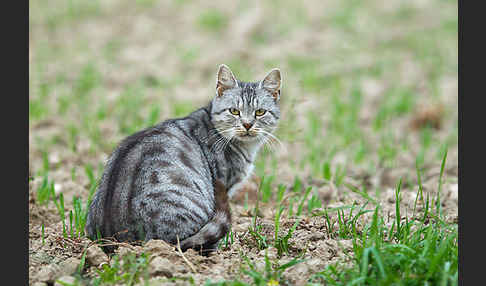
<point>244,177</point>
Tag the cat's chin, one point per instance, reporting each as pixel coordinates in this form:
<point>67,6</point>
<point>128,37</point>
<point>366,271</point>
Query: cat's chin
<point>247,138</point>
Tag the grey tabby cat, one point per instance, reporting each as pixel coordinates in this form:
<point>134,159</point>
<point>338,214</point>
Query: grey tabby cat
<point>172,181</point>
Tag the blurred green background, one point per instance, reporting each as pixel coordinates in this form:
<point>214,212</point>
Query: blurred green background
<point>364,82</point>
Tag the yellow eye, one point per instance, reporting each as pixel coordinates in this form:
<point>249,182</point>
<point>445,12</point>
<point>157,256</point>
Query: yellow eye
<point>234,111</point>
<point>260,112</point>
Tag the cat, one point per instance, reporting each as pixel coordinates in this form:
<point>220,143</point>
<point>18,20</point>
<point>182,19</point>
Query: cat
<point>173,181</point>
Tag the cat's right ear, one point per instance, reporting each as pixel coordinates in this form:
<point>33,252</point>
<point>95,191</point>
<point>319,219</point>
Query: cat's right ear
<point>225,80</point>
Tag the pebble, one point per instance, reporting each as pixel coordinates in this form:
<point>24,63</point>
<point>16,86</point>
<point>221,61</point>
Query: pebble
<point>160,266</point>
<point>65,279</point>
<point>57,189</point>
<point>53,271</point>
<point>96,256</point>
<point>157,246</point>
<point>241,227</point>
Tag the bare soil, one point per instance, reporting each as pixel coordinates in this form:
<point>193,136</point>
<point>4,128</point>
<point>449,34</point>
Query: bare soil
<point>151,39</point>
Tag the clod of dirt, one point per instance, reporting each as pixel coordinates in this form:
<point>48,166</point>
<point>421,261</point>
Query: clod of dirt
<point>242,227</point>
<point>54,271</point>
<point>158,247</point>
<point>300,272</point>
<point>122,250</point>
<point>96,256</point>
<point>452,193</point>
<point>326,194</point>
<point>390,195</point>
<point>160,266</point>
<point>428,115</point>
<point>65,280</point>
<point>39,284</point>
<point>271,253</point>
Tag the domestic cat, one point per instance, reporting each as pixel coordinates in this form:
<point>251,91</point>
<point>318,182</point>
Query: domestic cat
<point>172,181</point>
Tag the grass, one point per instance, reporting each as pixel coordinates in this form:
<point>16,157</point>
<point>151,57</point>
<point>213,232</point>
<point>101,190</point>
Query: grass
<point>271,274</point>
<point>212,20</point>
<point>129,272</point>
<point>410,253</point>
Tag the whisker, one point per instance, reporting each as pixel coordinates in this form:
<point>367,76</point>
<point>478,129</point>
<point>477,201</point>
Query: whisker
<point>272,139</point>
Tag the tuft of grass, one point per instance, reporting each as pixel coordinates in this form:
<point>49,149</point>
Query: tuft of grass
<point>270,275</point>
<point>212,20</point>
<point>410,252</point>
<point>62,215</point>
<point>130,272</point>
<point>441,174</point>
<point>314,202</point>
<point>397,101</point>
<point>297,187</point>
<point>88,79</point>
<point>43,234</point>
<point>227,240</point>
<point>266,188</point>
<point>80,216</point>
<point>282,243</point>
<point>302,201</point>
<point>44,191</point>
<point>260,239</point>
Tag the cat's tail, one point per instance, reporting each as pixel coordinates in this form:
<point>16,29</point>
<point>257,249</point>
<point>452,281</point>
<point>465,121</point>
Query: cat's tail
<point>216,228</point>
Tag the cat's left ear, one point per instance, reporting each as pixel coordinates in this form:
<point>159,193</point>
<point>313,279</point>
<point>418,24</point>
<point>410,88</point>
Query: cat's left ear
<point>272,83</point>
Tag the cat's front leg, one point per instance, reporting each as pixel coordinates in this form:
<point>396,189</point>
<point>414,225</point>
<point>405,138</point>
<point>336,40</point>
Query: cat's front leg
<point>247,183</point>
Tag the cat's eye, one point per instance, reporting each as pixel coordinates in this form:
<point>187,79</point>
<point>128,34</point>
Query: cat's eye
<point>260,112</point>
<point>234,111</point>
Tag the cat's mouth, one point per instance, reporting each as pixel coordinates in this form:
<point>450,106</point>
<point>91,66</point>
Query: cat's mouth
<point>247,136</point>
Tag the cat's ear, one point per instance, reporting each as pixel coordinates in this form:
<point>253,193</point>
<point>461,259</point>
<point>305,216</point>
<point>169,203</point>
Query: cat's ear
<point>225,80</point>
<point>272,83</point>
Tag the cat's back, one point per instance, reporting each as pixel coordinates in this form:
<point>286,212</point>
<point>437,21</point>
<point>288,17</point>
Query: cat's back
<point>155,180</point>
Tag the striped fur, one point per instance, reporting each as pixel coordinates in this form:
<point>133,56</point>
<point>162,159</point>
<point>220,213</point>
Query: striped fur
<point>172,180</point>
<point>210,234</point>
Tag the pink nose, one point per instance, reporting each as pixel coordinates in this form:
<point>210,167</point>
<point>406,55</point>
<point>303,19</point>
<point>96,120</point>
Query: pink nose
<point>247,125</point>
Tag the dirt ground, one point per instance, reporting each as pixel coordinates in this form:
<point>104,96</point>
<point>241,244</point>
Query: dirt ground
<point>179,46</point>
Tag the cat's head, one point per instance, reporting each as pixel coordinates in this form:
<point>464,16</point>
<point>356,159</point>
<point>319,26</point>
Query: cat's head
<point>246,111</point>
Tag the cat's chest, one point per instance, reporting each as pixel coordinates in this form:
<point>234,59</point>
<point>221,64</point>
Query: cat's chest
<point>240,179</point>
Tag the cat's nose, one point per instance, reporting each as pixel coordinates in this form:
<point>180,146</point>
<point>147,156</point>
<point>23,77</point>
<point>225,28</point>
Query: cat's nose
<point>247,125</point>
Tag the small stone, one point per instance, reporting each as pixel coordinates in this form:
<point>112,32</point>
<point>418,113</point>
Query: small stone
<point>57,189</point>
<point>271,252</point>
<point>243,227</point>
<point>314,263</point>
<point>54,158</point>
<point>326,194</point>
<point>46,274</point>
<point>299,271</point>
<point>96,256</point>
<point>390,196</point>
<point>123,250</point>
<point>179,268</point>
<point>453,192</point>
<point>316,236</point>
<point>39,284</point>
<point>160,266</point>
<point>69,266</point>
<point>65,279</point>
<point>51,272</point>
